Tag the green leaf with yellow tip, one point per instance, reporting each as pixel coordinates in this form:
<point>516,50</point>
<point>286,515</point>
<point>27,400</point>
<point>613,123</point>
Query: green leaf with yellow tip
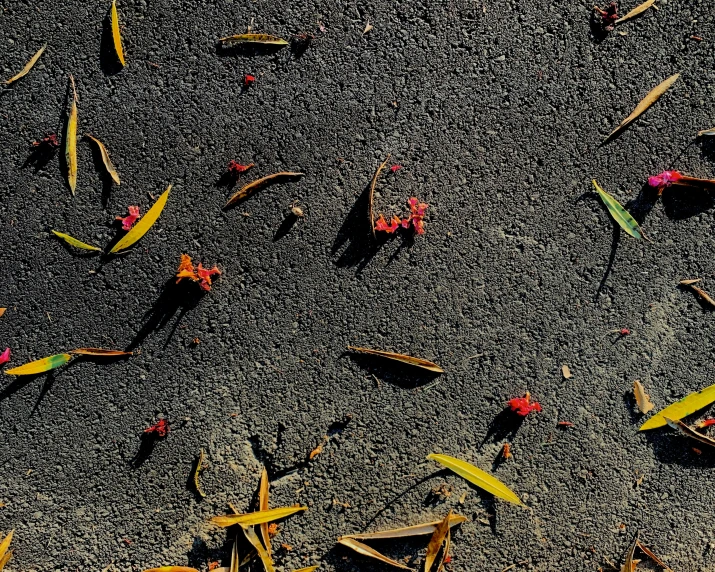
<point>40,365</point>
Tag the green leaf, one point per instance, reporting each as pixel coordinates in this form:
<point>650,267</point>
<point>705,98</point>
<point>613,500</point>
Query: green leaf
<point>72,241</point>
<point>253,518</point>
<point>689,404</point>
<point>40,365</point>
<point>619,214</point>
<point>477,477</point>
<point>144,224</point>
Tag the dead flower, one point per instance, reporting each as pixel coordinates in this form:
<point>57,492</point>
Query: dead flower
<point>415,220</point>
<point>160,428</point>
<point>609,15</point>
<point>522,406</point>
<point>129,220</point>
<point>200,274</point>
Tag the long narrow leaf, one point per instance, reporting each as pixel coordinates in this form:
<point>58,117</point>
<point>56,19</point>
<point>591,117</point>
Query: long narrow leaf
<point>689,432</point>
<point>5,544</point>
<point>116,36</point>
<point>71,142</point>
<point>40,365</point>
<point>197,470</point>
<point>72,241</point>
<point>477,477</point>
<point>100,352</point>
<point>628,564</point>
<point>619,214</point>
<point>263,505</point>
<point>254,39</point>
<point>417,362</point>
<point>407,531</point>
<point>28,66</point>
<point>637,11</point>
<point>256,543</point>
<point>253,518</point>
<point>648,552</point>
<point>105,158</point>
<point>172,569</point>
<point>436,542</point>
<point>259,184</point>
<point>651,97</point>
<point>144,224</point>
<point>235,562</point>
<point>308,569</point>
<point>689,404</point>
<point>366,550</point>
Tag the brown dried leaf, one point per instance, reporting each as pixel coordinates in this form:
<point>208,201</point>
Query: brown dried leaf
<point>653,557</point>
<point>566,371</point>
<point>436,542</point>
<point>407,531</point>
<point>2,311</point>
<point>259,184</point>
<point>197,470</point>
<point>263,505</point>
<point>642,398</point>
<point>100,352</point>
<point>652,96</point>
<point>371,196</point>
<point>629,565</point>
<point>28,66</point>
<point>637,11</point>
<point>365,550</point>
<point>368,28</point>
<point>256,542</point>
<point>690,281</point>
<point>253,518</point>
<point>417,362</point>
<point>689,431</point>
<point>445,552</point>
<point>105,157</point>
<point>704,295</point>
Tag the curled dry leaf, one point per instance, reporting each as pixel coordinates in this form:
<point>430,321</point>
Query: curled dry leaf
<point>71,141</point>
<point>628,564</point>
<point>477,477</point>
<point>259,184</point>
<point>651,97</point>
<point>642,398</point>
<point>2,311</point>
<point>105,158</point>
<point>365,550</point>
<point>266,39</point>
<point>116,36</point>
<point>72,241</point>
<point>445,553</point>
<point>100,352</point>
<point>6,554</point>
<point>689,404</point>
<point>707,132</point>
<point>566,371</point>
<point>144,224</point>
<point>648,552</point>
<point>28,66</point>
<point>258,517</point>
<point>40,365</point>
<point>689,431</point>
<point>371,196</point>
<point>704,295</point>
<point>263,490</point>
<point>637,11</point>
<point>407,531</point>
<point>619,214</point>
<point>436,542</point>
<point>690,281</point>
<point>417,362</point>
<point>197,470</point>
<point>256,543</point>
<point>368,28</point>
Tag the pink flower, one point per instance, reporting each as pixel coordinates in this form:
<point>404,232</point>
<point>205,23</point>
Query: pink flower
<point>128,221</point>
<point>664,179</point>
<point>522,406</point>
<point>5,356</point>
<point>395,168</point>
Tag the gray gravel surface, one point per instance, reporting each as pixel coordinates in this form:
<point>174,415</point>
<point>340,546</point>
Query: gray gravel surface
<point>500,107</point>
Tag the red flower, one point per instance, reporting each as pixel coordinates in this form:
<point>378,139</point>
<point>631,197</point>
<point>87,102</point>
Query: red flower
<point>664,179</point>
<point>416,219</point>
<point>5,356</point>
<point>705,423</point>
<point>204,275</point>
<point>235,169</point>
<point>395,168</point>
<point>160,428</point>
<point>248,80</point>
<point>523,405</point>
<point>129,220</point>
<point>50,141</point>
<point>381,224</point>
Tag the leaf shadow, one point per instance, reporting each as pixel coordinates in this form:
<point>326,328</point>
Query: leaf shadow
<point>104,176</point>
<point>108,60</point>
<point>707,147</point>
<point>672,448</point>
<point>174,298</point>
<point>634,413</point>
<point>285,227</point>
<point>356,232</point>
<point>18,383</point>
<point>200,553</point>
<point>680,202</point>
<point>503,427</point>
<point>401,375</point>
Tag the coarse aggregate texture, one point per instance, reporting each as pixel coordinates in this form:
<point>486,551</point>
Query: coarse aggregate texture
<point>495,110</point>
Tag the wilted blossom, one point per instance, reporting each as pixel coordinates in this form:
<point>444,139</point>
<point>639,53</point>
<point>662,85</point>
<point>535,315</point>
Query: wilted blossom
<point>523,405</point>
<point>5,356</point>
<point>201,275</point>
<point>664,179</point>
<point>160,428</point>
<point>416,219</point>
<point>128,221</point>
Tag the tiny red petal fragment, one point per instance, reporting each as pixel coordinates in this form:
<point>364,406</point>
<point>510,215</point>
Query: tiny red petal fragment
<point>235,168</point>
<point>129,220</point>
<point>523,405</point>
<point>701,424</point>
<point>248,80</point>
<point>160,428</point>
<point>5,356</point>
<point>609,15</point>
<point>624,332</point>
<point>51,141</point>
<point>448,559</point>
<point>395,168</point>
<point>564,424</point>
<point>506,451</point>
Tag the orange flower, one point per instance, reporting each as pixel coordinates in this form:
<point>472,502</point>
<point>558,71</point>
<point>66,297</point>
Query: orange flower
<point>186,269</point>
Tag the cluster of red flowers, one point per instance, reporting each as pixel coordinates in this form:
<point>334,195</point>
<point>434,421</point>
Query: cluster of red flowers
<point>608,16</point>
<point>523,405</point>
<point>129,220</point>
<point>416,219</point>
<point>201,275</point>
<point>160,428</point>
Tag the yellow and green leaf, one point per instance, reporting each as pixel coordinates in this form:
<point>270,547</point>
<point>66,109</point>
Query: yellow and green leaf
<point>686,406</point>
<point>477,477</point>
<point>619,214</point>
<point>144,224</point>
<point>71,142</point>
<point>72,241</point>
<point>40,365</point>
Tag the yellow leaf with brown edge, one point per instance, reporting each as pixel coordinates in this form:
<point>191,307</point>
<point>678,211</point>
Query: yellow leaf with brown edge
<point>28,66</point>
<point>2,311</point>
<point>40,365</point>
<point>436,542</point>
<point>144,223</point>
<point>407,531</point>
<point>686,406</point>
<point>370,552</point>
<point>628,564</point>
<point>116,36</point>
<point>651,97</point>
<point>235,562</point>
<point>417,362</point>
<point>247,190</point>
<point>197,470</point>
<point>100,352</point>
<point>71,141</point>
<point>253,518</point>
<point>105,158</point>
<point>256,543</point>
<point>477,477</point>
<point>263,505</point>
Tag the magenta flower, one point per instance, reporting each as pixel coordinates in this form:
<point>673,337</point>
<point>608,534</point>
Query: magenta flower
<point>128,221</point>
<point>664,179</point>
<point>5,356</point>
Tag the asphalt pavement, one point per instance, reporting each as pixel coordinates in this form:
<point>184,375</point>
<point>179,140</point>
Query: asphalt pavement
<point>495,112</point>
